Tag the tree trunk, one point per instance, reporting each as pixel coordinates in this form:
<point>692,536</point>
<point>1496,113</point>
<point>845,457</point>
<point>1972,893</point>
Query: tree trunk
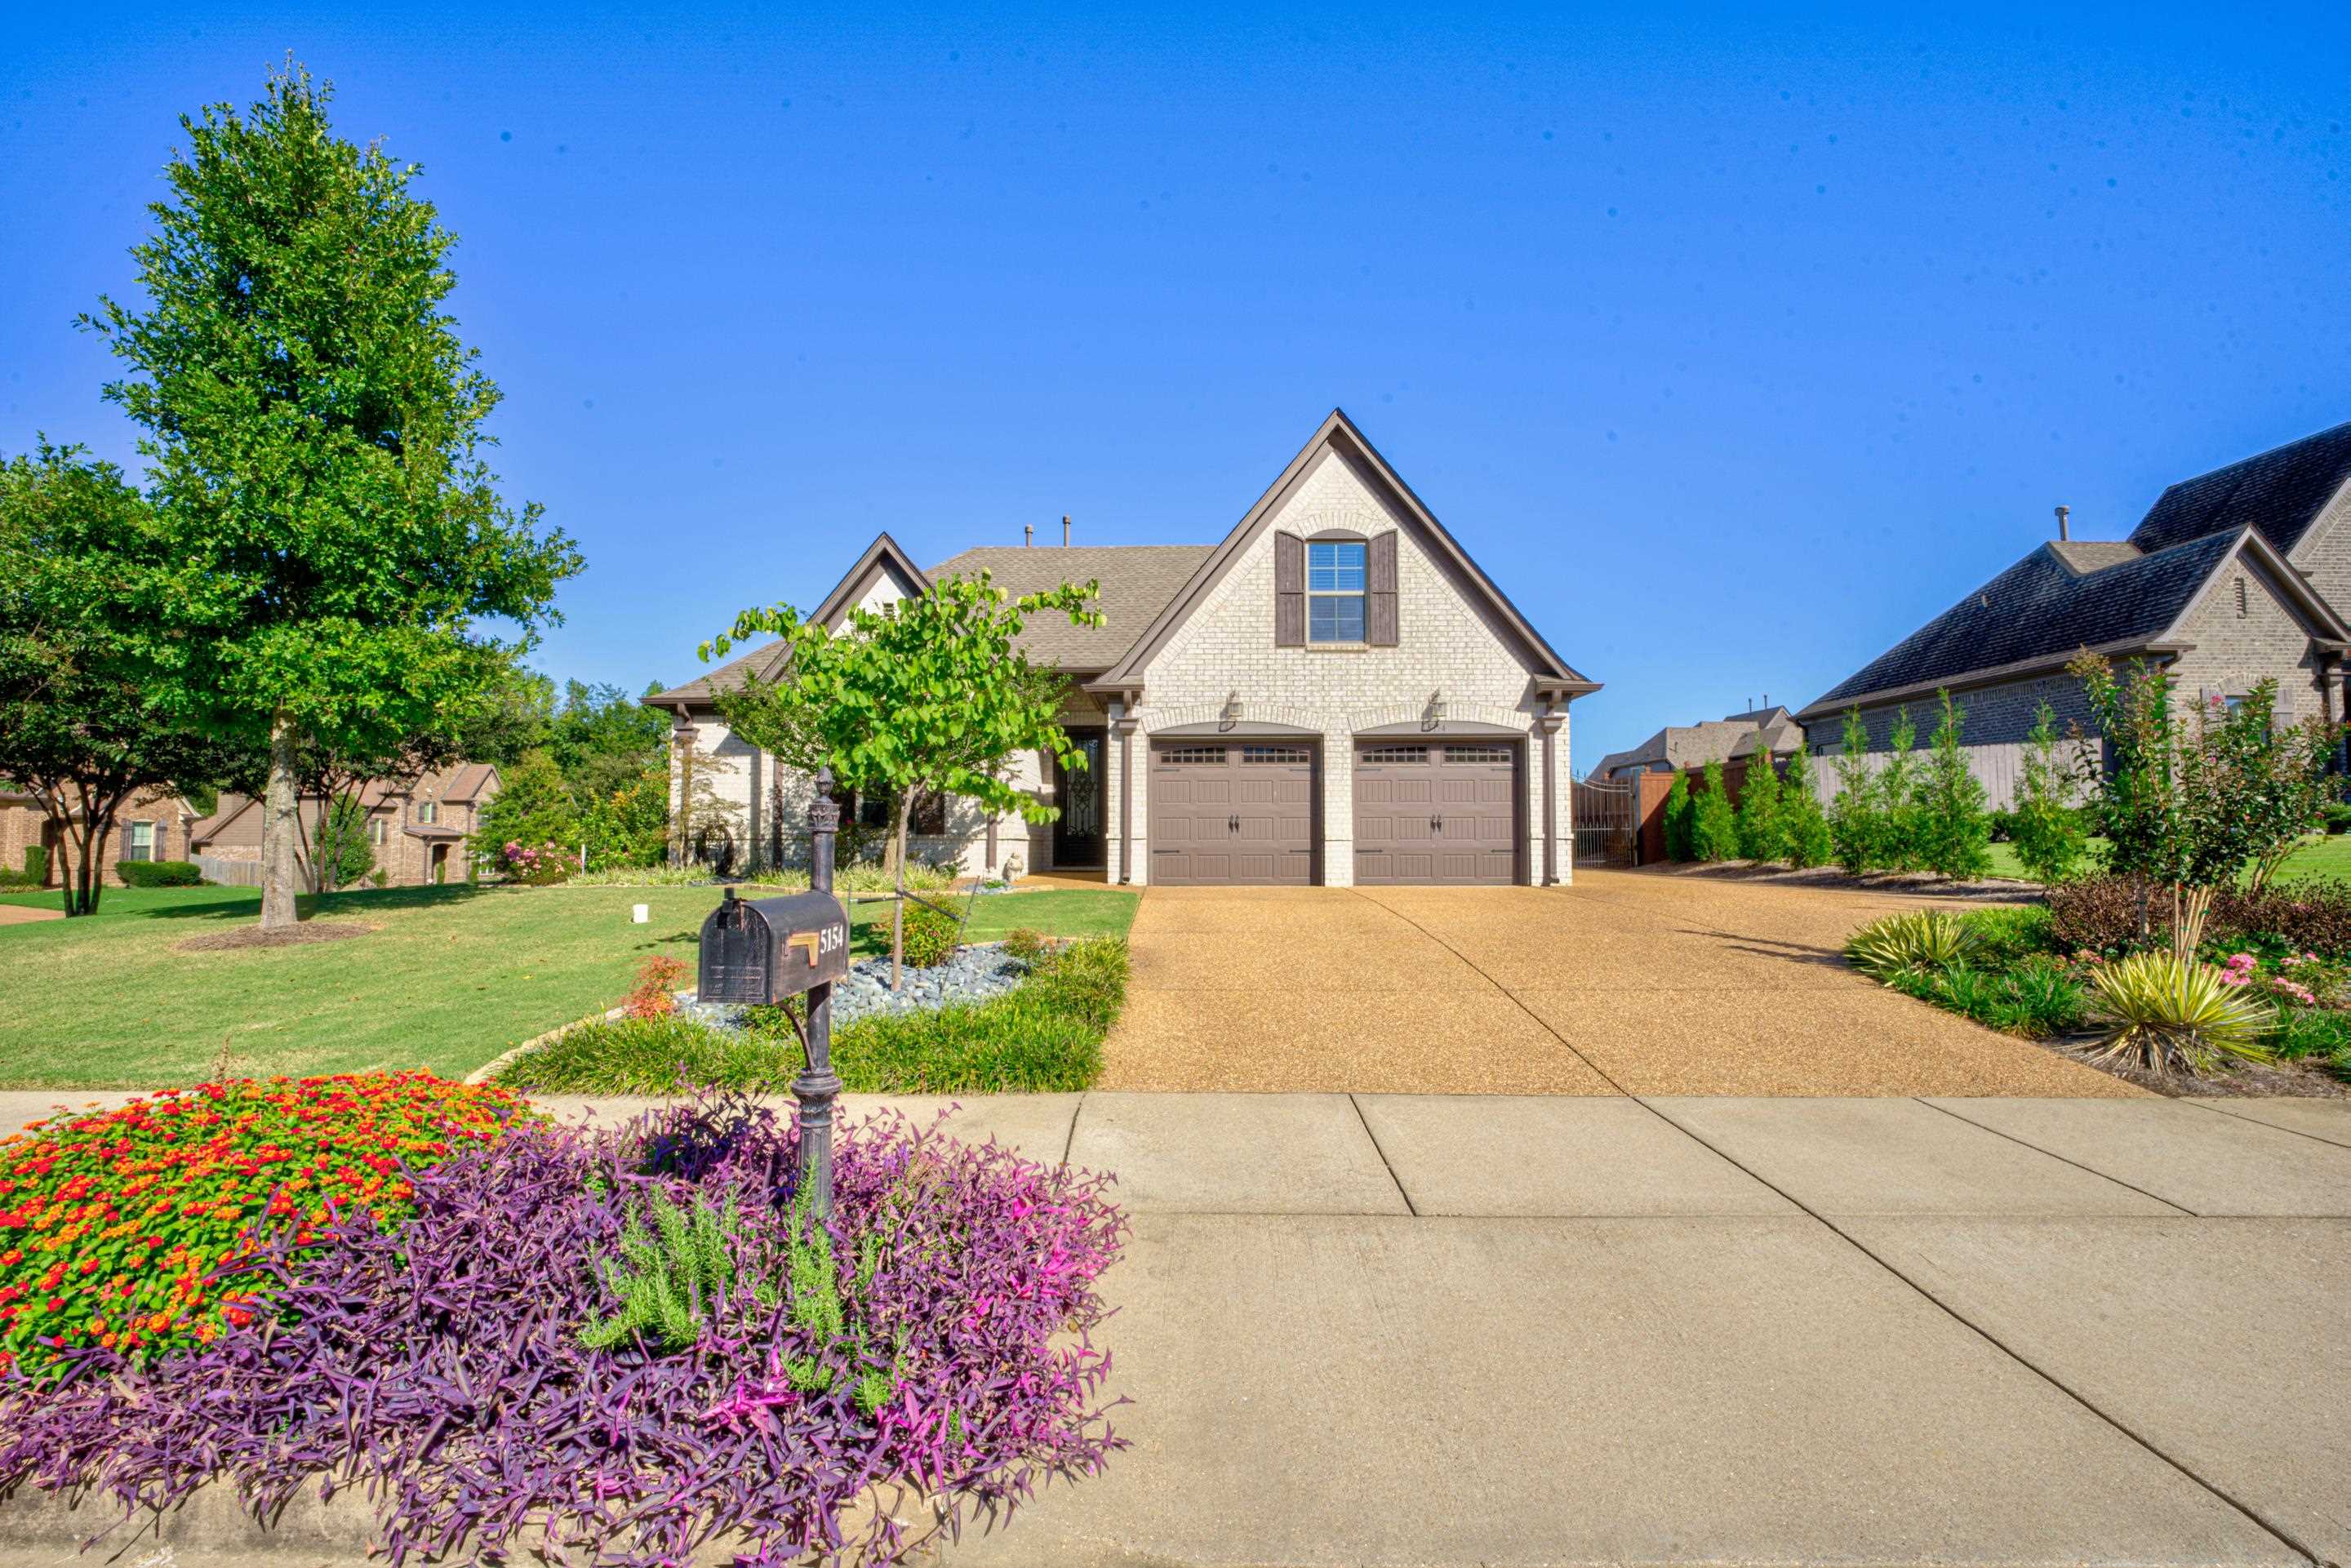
<point>898,905</point>
<point>893,848</point>
<point>280,822</point>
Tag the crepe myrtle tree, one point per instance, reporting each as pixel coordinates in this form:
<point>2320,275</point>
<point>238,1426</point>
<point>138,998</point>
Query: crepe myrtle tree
<point>332,536</point>
<point>926,696</point>
<point>83,727</point>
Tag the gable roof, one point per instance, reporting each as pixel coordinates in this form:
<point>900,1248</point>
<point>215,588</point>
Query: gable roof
<point>460,781</point>
<point>2044,609</point>
<point>2279,493</point>
<point>1338,433</point>
<point>1708,740</point>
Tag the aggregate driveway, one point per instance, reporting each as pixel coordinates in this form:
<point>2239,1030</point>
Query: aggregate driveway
<point>1624,983</point>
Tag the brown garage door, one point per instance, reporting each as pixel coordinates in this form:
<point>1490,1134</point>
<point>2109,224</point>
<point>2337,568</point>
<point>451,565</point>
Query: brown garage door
<point>1232,811</point>
<point>1436,812</point>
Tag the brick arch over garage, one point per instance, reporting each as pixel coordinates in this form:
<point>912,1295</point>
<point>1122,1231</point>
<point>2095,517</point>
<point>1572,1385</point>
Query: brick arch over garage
<point>1251,712</point>
<point>1513,719</point>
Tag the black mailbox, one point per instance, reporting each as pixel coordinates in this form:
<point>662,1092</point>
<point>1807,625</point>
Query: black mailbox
<point>765,949</point>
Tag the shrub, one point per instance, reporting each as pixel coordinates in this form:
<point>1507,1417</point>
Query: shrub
<point>440,1367</point>
<point>1857,825</point>
<point>2042,999</point>
<point>2003,824</point>
<point>535,865</point>
<point>36,864</point>
<point>1806,825</point>
<point>1025,945</point>
<point>2101,914</point>
<point>1681,824</point>
<point>1714,825</point>
<point>2166,1016</point>
<point>1762,832</point>
<point>344,841</point>
<point>1953,833</point>
<point>2334,817</point>
<point>931,936</point>
<point>2010,934</point>
<point>127,1229</point>
<point>159,873</point>
<point>2321,1032</point>
<point>2051,839</point>
<point>1912,942</point>
<point>12,879</point>
<point>655,993</point>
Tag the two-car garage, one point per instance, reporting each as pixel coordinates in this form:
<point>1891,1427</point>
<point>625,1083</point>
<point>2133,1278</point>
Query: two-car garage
<point>1427,810</point>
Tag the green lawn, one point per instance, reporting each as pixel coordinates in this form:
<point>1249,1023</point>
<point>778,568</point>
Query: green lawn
<point>2327,855</point>
<point>451,976</point>
<point>127,901</point>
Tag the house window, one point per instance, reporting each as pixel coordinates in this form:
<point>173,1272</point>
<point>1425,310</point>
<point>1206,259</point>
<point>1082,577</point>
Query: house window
<point>428,810</point>
<point>1334,591</point>
<point>375,832</point>
<point>141,846</point>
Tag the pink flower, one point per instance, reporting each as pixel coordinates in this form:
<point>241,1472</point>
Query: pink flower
<point>2241,960</point>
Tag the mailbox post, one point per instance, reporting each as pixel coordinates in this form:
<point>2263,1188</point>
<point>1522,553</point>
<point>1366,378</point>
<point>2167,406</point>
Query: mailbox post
<point>817,1086</point>
<point>763,951</point>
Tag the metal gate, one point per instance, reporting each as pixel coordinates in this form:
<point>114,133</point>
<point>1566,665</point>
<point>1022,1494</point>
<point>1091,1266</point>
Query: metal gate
<point>1603,823</point>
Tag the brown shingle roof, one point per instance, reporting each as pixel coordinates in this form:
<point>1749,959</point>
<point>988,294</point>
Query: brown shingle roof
<point>1137,581</point>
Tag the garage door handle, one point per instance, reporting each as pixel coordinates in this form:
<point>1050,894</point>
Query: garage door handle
<point>1232,824</point>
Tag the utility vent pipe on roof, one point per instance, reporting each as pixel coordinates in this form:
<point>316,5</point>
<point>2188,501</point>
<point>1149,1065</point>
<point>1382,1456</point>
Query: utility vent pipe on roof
<point>2064,531</point>
<point>1065,530</point>
<point>1028,535</point>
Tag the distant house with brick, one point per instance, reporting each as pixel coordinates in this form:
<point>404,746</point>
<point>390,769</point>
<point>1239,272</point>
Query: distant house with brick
<point>415,829</point>
<point>1733,738</point>
<point>152,826</point>
<point>2234,576</point>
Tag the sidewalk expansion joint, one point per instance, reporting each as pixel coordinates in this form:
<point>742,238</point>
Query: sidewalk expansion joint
<point>1410,1207</point>
<point>2276,1531</point>
<point>2036,1148</point>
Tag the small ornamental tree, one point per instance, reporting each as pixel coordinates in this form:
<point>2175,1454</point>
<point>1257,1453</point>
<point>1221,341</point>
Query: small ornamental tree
<point>1681,827</point>
<point>930,695</point>
<point>1714,833</point>
<point>343,856</point>
<point>1857,826</point>
<point>1954,830</point>
<point>329,536</point>
<point>1899,846</point>
<point>2046,826</point>
<point>1805,825</point>
<point>1762,830</point>
<point>2282,788</point>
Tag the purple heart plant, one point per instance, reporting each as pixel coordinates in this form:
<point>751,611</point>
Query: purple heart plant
<point>466,1368</point>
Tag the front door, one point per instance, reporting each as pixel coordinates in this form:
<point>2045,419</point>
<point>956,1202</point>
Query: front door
<point>440,864</point>
<point>1078,830</point>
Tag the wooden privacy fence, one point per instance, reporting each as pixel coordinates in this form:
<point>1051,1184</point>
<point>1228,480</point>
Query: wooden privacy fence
<point>1602,814</point>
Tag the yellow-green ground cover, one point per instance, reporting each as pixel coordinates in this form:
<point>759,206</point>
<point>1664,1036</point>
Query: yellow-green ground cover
<point>448,978</point>
<point>2327,855</point>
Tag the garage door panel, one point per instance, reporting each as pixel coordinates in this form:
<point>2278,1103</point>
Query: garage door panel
<point>1434,811</point>
<point>1232,812</point>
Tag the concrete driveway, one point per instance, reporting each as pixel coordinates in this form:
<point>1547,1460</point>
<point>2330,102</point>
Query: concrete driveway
<point>1623,984</point>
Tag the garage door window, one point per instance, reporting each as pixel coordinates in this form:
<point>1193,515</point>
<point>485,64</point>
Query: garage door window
<point>1276,754</point>
<point>1193,754</point>
<point>1476,754</point>
<point>1334,591</point>
<point>1395,754</point>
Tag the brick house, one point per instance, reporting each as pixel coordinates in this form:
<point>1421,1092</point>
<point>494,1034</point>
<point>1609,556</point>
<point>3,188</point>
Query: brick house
<point>152,826</point>
<point>1685,746</point>
<point>416,832</point>
<point>2234,576</point>
<point>1333,693</point>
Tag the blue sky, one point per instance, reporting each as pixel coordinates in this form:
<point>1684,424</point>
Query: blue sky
<point>1732,344</point>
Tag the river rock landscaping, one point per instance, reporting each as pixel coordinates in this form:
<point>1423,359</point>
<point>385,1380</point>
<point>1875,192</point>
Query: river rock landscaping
<point>971,974</point>
<point>617,1346</point>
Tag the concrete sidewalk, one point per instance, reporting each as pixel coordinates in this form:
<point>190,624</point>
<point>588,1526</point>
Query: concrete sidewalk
<point>1425,1330</point>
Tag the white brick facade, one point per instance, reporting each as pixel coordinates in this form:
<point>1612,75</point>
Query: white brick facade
<point>1446,646</point>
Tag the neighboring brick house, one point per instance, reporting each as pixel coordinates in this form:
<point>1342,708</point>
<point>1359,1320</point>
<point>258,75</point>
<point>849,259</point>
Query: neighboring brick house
<point>152,826</point>
<point>1335,694</point>
<point>1685,746</point>
<point>2238,575</point>
<point>416,832</point>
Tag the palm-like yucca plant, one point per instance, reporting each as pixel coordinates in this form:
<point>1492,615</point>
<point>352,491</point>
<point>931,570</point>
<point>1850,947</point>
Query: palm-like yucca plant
<point>1913,942</point>
<point>2164,1015</point>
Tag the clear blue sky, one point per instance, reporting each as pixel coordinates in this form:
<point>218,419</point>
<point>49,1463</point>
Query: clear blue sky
<point>1732,347</point>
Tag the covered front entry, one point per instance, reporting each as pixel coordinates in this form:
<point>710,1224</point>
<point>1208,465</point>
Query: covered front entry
<point>1437,810</point>
<point>1231,811</point>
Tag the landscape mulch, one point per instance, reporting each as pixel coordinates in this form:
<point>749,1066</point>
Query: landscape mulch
<point>282,936</point>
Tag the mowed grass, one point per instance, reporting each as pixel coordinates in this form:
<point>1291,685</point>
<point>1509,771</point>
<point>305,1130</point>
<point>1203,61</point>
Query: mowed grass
<point>117,903</point>
<point>450,978</point>
<point>2327,856</point>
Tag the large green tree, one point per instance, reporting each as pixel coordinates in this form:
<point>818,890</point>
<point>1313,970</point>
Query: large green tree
<point>928,695</point>
<point>333,535</point>
<point>83,725</point>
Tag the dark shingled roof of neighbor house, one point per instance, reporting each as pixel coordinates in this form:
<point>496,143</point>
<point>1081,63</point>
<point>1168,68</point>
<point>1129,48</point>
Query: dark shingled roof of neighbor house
<point>2280,491</point>
<point>2043,607</point>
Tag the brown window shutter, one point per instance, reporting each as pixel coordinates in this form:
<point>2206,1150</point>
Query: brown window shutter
<point>1380,602</point>
<point>1289,590</point>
